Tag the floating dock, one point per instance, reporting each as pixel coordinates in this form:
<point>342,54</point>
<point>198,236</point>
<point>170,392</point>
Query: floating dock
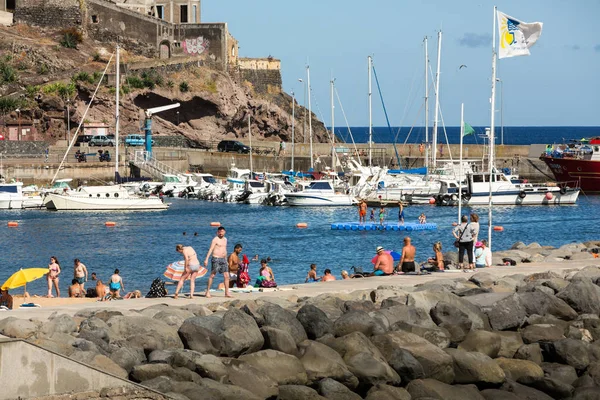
<point>387,226</point>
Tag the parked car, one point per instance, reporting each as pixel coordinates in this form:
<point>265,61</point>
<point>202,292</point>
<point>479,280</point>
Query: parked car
<point>101,140</point>
<point>136,140</point>
<point>233,146</point>
<point>83,139</point>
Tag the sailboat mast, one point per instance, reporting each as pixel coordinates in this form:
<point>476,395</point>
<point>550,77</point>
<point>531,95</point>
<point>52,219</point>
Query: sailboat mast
<point>437,101</point>
<point>118,88</point>
<point>426,105</point>
<point>492,128</point>
<point>460,173</point>
<point>370,65</point>
<point>293,126</point>
<point>250,138</point>
<point>310,133</point>
<point>332,127</point>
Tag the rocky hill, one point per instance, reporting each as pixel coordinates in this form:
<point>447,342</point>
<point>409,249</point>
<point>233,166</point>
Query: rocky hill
<point>41,71</point>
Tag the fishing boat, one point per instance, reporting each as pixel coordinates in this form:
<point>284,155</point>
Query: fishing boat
<point>320,193</point>
<point>578,161</point>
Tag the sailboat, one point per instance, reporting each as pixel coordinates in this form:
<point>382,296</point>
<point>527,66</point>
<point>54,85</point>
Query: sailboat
<point>108,197</point>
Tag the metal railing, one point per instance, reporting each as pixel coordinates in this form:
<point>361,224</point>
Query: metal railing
<point>146,162</point>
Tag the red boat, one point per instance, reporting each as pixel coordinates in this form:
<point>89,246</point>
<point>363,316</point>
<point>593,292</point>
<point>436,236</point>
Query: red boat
<point>578,161</point>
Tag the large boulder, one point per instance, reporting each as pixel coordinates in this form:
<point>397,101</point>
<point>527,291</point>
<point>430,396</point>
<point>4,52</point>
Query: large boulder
<point>542,332</point>
<point>173,316</point>
<point>321,362</point>
<point>365,360</point>
<point>283,368</point>
<point>142,332</point>
<point>507,313</point>
<point>276,339</point>
<point>250,378</point>
<point>569,351</point>
<point>516,369</point>
<point>275,316</point>
<point>510,343</point>
<point>427,300</point>
<point>202,334</point>
<point>531,352</point>
<point>484,342</point>
<point>483,279</point>
<point>18,328</point>
<point>145,372</point>
<point>497,394</point>
<point>583,296</point>
<point>357,321</point>
<point>560,372</point>
<point>473,367</point>
<point>436,363</point>
<point>436,335</point>
<point>405,364</point>
<point>524,392</point>
<point>297,392</point>
<point>433,389</point>
<point>402,313</point>
<point>333,390</point>
<point>387,392</point>
<point>62,323</point>
<point>542,303</point>
<point>314,321</point>
<point>212,367</point>
<point>453,319</point>
<point>128,357</point>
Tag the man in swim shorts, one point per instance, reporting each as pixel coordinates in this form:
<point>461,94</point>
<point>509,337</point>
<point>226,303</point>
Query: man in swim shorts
<point>80,273</point>
<point>234,264</point>
<point>407,262</point>
<point>385,263</point>
<point>362,211</point>
<point>218,251</point>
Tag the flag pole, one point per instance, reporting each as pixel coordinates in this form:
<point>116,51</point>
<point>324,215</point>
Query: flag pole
<point>460,173</point>
<point>491,138</point>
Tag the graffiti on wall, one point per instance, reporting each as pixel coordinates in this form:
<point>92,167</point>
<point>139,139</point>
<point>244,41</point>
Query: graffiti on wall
<point>195,46</point>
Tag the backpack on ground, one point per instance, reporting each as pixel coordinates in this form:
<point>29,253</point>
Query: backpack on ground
<point>157,289</point>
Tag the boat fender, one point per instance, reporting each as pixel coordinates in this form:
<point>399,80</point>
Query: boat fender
<point>446,199</point>
<point>522,194</point>
<point>12,224</point>
<point>563,190</point>
<point>466,196</point>
<point>454,197</point>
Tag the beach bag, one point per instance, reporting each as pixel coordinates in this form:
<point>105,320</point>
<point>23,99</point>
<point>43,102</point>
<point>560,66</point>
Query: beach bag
<point>243,276</point>
<point>457,241</point>
<point>157,289</point>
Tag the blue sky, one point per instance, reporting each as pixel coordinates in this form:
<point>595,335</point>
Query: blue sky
<point>558,84</point>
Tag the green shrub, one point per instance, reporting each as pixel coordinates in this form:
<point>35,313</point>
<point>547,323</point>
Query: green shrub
<point>21,66</point>
<point>66,91</point>
<point>125,89</point>
<point>184,87</point>
<point>135,82</point>
<point>32,90</point>
<point>71,37</point>
<point>170,84</point>
<point>43,69</point>
<point>8,104</point>
<point>83,77</point>
<point>96,76</point>
<point>8,73</point>
<point>96,57</point>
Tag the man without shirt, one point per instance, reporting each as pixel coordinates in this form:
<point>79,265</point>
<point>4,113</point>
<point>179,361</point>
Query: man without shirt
<point>80,274</point>
<point>327,277</point>
<point>218,251</point>
<point>407,262</point>
<point>385,263</point>
<point>234,264</point>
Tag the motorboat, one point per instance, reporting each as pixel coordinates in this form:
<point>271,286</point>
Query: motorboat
<point>506,190</point>
<point>320,193</point>
<point>32,197</point>
<point>106,198</point>
<point>255,192</point>
<point>11,195</point>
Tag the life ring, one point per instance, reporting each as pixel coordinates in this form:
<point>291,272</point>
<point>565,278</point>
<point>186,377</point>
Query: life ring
<point>563,190</point>
<point>446,199</point>
<point>522,194</point>
<point>466,196</point>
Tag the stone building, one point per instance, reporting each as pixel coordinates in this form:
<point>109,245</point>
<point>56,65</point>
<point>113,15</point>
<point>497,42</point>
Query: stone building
<point>173,11</point>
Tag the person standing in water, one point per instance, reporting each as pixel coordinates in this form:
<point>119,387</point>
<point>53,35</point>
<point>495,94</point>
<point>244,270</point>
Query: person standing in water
<point>218,251</point>
<point>192,267</point>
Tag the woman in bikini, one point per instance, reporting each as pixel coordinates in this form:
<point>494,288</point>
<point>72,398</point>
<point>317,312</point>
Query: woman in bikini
<point>192,267</point>
<point>52,276</point>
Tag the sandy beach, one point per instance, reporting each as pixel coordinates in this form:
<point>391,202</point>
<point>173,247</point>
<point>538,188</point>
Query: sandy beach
<point>71,306</point>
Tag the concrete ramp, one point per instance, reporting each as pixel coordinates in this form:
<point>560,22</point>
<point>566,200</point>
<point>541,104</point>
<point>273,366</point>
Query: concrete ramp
<point>6,18</point>
<point>27,370</point>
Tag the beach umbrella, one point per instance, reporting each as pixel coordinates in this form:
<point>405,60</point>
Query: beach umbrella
<point>175,270</point>
<point>23,276</point>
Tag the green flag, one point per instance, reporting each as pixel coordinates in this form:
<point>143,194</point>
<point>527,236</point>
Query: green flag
<point>468,130</point>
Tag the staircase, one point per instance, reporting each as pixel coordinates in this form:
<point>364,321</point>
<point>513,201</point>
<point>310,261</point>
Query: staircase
<point>145,162</point>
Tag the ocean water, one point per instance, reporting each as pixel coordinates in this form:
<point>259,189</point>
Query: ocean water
<point>513,135</point>
<point>143,243</point>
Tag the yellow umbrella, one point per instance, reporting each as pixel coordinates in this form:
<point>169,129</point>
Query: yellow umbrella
<point>22,276</point>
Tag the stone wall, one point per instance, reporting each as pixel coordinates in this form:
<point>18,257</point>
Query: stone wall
<point>51,13</point>
<point>263,73</point>
<point>206,42</point>
<point>10,148</point>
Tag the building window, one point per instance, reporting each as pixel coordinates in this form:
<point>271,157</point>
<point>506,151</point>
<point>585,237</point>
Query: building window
<point>160,12</point>
<point>94,19</point>
<point>183,14</point>
<point>194,12</point>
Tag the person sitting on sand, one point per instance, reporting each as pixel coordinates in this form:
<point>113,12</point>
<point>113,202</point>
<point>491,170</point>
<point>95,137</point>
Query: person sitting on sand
<point>345,275</point>
<point>6,300</point>
<point>266,277</point>
<point>75,288</point>
<point>483,255</point>
<point>116,284</point>
<point>101,289</point>
<point>385,263</point>
<point>136,294</point>
<point>327,277</point>
<point>437,261</point>
<point>312,274</point>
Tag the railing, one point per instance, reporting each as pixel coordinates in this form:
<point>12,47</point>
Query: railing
<point>145,161</point>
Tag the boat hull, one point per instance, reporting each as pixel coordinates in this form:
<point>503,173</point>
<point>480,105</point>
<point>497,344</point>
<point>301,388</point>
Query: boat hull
<point>9,204</point>
<point>514,198</point>
<point>298,199</point>
<point>75,203</point>
<point>585,172</point>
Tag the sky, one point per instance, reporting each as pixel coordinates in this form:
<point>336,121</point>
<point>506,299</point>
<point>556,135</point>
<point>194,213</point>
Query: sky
<point>557,85</point>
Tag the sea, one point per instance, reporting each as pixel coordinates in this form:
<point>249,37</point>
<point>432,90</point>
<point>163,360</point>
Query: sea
<point>142,244</point>
<point>508,135</point>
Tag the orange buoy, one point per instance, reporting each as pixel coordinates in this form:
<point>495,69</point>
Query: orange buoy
<point>12,224</point>
<point>499,228</point>
<point>301,225</point>
<point>215,224</point>
<point>432,201</point>
<point>455,224</point>
<point>110,223</point>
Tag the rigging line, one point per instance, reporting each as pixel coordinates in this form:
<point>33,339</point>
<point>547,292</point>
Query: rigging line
<point>347,124</point>
<point>410,95</point>
<point>329,133</point>
<point>385,111</point>
<point>445,134</point>
<point>82,120</point>
<point>412,127</point>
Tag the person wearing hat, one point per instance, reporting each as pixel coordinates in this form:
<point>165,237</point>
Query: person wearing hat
<point>483,255</point>
<point>385,263</point>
